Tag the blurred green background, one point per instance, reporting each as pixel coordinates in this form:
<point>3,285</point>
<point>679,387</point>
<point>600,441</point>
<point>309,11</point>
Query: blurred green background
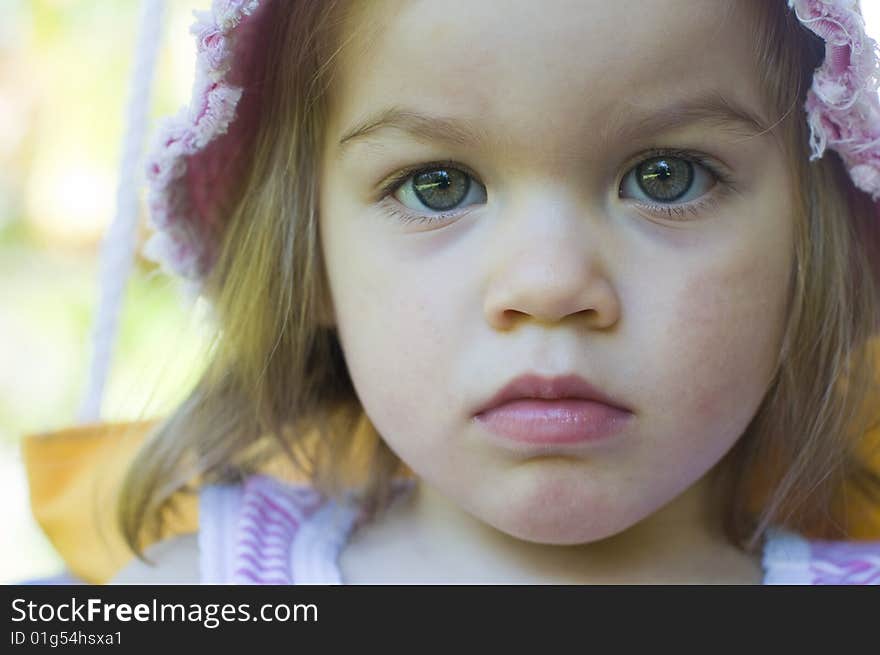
<point>65,68</point>
<point>64,75</point>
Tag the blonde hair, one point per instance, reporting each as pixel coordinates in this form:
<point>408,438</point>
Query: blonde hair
<point>803,461</point>
<point>277,384</point>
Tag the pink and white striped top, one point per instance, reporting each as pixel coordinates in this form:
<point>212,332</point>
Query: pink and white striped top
<point>265,531</point>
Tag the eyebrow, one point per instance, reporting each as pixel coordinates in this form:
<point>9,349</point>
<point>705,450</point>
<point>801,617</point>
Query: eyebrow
<point>442,129</point>
<point>711,109</point>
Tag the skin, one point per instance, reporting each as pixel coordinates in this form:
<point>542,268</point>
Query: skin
<point>551,271</point>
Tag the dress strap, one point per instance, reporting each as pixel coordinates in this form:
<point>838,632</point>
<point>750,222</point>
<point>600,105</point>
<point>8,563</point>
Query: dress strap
<point>266,531</point>
<point>790,558</point>
<point>271,515</point>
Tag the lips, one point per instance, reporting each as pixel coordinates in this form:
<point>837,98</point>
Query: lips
<point>532,386</point>
<point>533,412</point>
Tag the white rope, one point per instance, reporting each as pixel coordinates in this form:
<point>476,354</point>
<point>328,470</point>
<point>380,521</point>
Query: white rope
<point>117,249</point>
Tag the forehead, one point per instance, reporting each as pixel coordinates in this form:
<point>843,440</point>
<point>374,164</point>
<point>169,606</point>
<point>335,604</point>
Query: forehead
<point>524,65</point>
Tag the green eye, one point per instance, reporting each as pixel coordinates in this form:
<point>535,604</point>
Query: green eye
<point>442,188</point>
<point>665,179</point>
<point>667,182</point>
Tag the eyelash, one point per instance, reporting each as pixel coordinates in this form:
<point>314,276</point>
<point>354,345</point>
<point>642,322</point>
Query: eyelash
<point>723,186</point>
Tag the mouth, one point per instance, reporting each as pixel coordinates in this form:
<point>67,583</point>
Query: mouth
<point>533,387</point>
<point>552,411</point>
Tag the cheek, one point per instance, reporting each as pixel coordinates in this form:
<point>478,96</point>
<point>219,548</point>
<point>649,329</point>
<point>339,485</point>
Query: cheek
<point>722,342</point>
<point>389,324</point>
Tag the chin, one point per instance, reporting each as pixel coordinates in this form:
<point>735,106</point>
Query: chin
<point>567,532</point>
<point>563,521</point>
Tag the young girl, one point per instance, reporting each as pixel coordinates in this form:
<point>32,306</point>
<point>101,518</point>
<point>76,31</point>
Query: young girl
<point>582,292</point>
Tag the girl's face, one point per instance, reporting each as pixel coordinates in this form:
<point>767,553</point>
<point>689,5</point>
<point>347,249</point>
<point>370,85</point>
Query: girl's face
<point>591,196</point>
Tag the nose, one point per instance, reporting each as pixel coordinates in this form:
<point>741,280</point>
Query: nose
<point>548,262</point>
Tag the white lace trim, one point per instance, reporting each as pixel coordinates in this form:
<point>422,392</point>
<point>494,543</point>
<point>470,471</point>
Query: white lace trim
<point>314,554</point>
<point>786,558</point>
<point>219,507</point>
